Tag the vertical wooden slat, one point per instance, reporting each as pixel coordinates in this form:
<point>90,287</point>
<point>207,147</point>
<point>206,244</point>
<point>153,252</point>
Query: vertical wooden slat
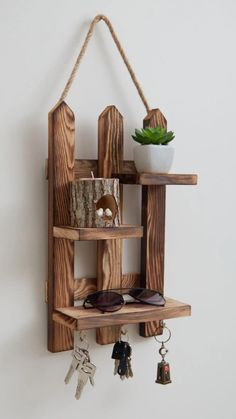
<point>61,252</point>
<point>110,160</point>
<point>153,242</point>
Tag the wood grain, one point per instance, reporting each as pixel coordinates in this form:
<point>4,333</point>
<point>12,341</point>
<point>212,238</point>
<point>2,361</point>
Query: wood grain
<point>129,174</point>
<point>64,320</point>
<point>128,314</point>
<point>84,167</point>
<point>85,286</point>
<point>157,179</point>
<point>153,242</point>
<point>110,159</point>
<point>103,233</point>
<point>61,173</point>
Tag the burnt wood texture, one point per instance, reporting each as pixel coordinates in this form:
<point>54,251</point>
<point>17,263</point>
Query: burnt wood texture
<point>84,286</point>
<point>61,252</point>
<point>110,160</point>
<point>128,314</point>
<point>129,175</point>
<point>101,233</point>
<point>153,242</point>
<point>62,289</point>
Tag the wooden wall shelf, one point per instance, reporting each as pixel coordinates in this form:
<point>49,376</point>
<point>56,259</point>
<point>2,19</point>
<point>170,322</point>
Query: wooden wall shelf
<point>130,313</point>
<point>104,233</point>
<point>62,288</point>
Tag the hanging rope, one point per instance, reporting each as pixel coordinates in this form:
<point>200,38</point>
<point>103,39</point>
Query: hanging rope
<point>121,51</point>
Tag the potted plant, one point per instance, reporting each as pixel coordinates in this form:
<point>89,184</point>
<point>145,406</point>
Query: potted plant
<point>153,154</point>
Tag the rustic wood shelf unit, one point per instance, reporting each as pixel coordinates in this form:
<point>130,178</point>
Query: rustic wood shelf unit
<point>62,287</point>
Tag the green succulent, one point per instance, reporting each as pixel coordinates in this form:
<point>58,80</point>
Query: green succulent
<point>157,135</point>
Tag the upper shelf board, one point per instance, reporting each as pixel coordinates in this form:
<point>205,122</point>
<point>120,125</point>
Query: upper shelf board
<point>157,179</point>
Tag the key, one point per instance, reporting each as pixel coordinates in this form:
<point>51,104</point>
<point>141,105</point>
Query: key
<point>123,366</point>
<point>116,366</point>
<point>86,371</point>
<point>79,353</point>
<point>82,380</point>
<point>78,359</point>
<point>74,364</point>
<point>130,368</point>
<point>90,370</point>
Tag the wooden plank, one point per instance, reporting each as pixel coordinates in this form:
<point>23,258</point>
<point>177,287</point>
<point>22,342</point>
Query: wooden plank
<point>153,242</point>
<point>61,252</point>
<point>110,159</point>
<point>157,179</point>
<point>169,179</point>
<point>128,314</point>
<point>85,286</point>
<point>100,233</point>
<point>84,167</point>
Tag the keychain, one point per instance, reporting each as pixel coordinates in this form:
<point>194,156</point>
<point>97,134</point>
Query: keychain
<point>81,365</point>
<point>163,367</point>
<point>122,355</point>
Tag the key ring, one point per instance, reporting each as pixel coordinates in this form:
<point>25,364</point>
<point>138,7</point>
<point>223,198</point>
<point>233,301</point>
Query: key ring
<point>168,338</point>
<point>124,332</point>
<point>82,339</point>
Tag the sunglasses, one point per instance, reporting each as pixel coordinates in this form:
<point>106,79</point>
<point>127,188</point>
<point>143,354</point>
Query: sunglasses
<point>112,300</point>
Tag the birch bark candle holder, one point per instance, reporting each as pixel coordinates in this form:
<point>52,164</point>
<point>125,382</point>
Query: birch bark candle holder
<point>95,202</point>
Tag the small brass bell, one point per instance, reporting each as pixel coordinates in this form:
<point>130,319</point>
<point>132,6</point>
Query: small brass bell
<point>163,373</point>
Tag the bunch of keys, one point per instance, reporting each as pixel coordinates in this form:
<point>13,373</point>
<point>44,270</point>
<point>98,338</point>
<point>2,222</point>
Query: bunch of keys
<point>163,367</point>
<point>82,365</point>
<point>122,355</point>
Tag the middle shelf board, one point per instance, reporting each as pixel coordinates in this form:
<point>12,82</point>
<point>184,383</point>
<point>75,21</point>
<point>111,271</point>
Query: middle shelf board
<point>78,318</point>
<point>103,233</point>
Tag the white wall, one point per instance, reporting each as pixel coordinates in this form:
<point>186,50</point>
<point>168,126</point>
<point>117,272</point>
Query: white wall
<point>184,56</point>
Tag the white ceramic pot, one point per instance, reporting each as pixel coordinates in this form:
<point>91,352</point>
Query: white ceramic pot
<point>153,158</point>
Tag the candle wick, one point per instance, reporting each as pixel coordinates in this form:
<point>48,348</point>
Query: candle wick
<point>92,175</point>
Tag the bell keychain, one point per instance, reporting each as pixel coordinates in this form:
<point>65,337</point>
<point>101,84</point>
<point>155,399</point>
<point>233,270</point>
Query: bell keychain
<point>163,367</point>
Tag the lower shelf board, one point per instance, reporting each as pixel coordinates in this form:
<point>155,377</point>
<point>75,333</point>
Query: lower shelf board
<point>77,318</point>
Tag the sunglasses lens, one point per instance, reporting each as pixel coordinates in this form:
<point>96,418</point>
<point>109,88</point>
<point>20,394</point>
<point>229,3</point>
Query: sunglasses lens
<point>147,296</point>
<point>106,301</point>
